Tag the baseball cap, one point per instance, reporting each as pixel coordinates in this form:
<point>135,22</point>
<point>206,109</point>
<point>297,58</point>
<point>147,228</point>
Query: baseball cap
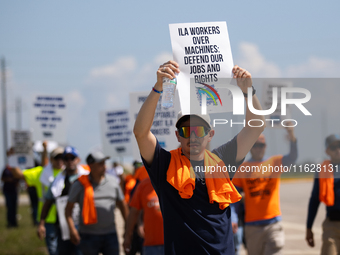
<point>57,151</point>
<point>95,157</point>
<point>180,117</point>
<point>261,139</point>
<point>331,139</point>
<point>71,150</point>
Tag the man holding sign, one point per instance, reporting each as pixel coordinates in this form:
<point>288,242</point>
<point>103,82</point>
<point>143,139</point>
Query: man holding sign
<point>195,201</point>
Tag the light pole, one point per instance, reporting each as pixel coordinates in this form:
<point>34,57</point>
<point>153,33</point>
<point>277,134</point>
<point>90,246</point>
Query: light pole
<point>4,108</point>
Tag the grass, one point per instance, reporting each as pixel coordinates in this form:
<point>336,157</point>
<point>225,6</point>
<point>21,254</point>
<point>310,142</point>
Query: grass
<point>22,240</point>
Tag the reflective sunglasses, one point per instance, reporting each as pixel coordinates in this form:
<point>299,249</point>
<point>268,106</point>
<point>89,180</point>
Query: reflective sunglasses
<point>200,131</point>
<point>333,147</point>
<point>259,145</point>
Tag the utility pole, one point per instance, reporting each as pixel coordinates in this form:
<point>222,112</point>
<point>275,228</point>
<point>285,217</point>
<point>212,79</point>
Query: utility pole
<point>4,108</point>
<point>18,111</point>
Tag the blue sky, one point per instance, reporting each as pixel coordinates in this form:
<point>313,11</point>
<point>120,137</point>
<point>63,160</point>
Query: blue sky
<point>96,52</point>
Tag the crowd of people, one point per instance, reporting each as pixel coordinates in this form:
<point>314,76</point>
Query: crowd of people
<point>170,204</point>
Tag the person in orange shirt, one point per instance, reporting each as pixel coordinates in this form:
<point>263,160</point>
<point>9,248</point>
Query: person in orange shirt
<point>145,198</point>
<point>259,179</point>
<point>130,183</point>
<point>141,174</point>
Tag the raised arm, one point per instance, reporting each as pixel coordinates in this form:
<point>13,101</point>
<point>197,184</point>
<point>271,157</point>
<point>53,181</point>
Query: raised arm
<point>291,157</point>
<point>44,154</point>
<point>145,139</point>
<point>248,135</point>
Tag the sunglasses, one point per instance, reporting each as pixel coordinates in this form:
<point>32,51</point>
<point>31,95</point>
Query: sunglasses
<point>259,145</point>
<point>334,147</point>
<point>200,131</point>
<point>69,158</point>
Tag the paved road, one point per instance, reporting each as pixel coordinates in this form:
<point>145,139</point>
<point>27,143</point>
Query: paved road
<point>294,201</point>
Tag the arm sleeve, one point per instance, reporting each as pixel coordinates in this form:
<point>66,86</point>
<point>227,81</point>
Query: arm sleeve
<point>159,166</point>
<point>74,193</point>
<point>32,176</point>
<point>292,156</point>
<point>49,195</point>
<point>313,205</point>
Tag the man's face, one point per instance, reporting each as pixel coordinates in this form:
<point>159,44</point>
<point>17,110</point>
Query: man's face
<point>71,162</point>
<point>258,150</point>
<point>57,161</point>
<point>98,168</point>
<point>193,146</point>
<point>333,151</point>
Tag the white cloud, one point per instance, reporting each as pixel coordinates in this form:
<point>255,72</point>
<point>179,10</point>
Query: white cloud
<point>124,76</point>
<point>163,57</point>
<point>119,68</point>
<point>255,62</point>
<point>314,67</point>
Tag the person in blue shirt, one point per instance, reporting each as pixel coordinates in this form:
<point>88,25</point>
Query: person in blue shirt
<point>331,225</point>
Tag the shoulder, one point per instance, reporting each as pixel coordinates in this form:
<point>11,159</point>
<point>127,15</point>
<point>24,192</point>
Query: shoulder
<point>143,187</point>
<point>112,180</point>
<point>161,158</point>
<point>76,187</point>
<point>276,158</point>
<point>77,184</point>
<point>144,183</point>
<point>36,171</point>
<point>229,146</point>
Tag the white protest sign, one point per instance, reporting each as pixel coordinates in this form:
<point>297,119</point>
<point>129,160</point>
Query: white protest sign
<point>163,126</point>
<point>116,133</point>
<point>203,53</point>
<point>267,101</point>
<point>49,118</point>
<point>61,203</point>
<point>23,153</point>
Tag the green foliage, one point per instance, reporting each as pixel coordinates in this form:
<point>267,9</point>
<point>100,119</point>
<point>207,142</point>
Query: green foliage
<point>22,240</point>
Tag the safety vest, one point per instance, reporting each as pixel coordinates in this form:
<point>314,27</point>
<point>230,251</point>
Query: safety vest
<point>326,183</point>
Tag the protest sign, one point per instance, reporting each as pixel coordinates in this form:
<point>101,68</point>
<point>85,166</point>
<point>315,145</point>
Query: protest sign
<point>203,53</point>
<point>23,153</point>
<point>61,203</point>
<point>163,126</point>
<point>116,133</point>
<point>49,118</point>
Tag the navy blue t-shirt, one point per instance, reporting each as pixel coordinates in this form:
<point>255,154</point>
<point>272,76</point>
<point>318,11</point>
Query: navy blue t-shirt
<point>194,225</point>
